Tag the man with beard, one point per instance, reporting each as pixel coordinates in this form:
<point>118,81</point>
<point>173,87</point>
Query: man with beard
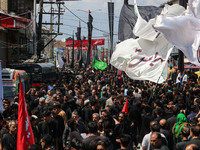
<point>122,127</point>
<point>49,126</point>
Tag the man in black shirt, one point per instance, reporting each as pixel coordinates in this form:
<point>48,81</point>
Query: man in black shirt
<point>10,139</point>
<point>93,135</point>
<point>60,123</point>
<point>49,126</point>
<point>194,133</point>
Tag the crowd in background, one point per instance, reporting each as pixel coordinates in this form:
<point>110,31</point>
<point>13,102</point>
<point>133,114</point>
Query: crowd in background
<point>82,110</point>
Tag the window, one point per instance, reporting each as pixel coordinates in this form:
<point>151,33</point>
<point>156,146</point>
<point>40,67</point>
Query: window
<point>17,6</point>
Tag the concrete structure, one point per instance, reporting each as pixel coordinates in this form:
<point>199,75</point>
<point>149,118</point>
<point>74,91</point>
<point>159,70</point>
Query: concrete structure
<point>16,30</point>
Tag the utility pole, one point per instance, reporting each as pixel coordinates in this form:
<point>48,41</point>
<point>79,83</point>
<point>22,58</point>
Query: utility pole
<point>72,63</point>
<point>34,28</point>
<point>51,30</point>
<point>181,55</point>
<point>39,30</point>
<point>40,33</point>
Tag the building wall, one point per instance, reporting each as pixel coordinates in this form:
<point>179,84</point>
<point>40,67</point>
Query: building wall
<point>3,48</point>
<point>4,6</point>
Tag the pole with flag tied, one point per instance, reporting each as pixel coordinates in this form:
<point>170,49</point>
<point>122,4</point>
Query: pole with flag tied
<point>125,108</point>
<point>25,136</point>
<point>90,27</point>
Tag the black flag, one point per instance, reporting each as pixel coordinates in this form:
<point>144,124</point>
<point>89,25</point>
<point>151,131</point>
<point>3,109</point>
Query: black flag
<point>78,36</point>
<point>111,24</point>
<point>128,19</point>
<point>90,27</point>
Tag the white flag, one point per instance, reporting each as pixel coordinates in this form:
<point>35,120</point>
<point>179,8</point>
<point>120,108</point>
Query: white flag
<point>183,31</point>
<point>145,58</point>
<point>59,61</point>
<point>1,88</point>
<point>142,59</point>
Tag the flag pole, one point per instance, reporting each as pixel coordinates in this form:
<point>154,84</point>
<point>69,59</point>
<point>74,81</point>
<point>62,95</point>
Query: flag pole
<point>72,63</point>
<point>155,85</point>
<point>180,53</point>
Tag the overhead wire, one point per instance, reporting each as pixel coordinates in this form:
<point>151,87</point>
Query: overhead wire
<point>83,20</point>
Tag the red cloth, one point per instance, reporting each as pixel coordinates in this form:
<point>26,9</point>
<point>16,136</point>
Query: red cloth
<point>25,136</point>
<point>102,56</point>
<point>125,108</point>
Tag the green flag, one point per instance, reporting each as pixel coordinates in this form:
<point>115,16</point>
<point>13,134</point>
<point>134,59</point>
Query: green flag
<point>97,64</point>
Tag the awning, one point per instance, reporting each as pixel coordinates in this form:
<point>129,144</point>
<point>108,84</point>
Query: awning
<point>10,21</point>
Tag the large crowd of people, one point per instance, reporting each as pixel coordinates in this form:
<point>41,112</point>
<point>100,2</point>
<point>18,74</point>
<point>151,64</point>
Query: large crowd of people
<point>82,110</point>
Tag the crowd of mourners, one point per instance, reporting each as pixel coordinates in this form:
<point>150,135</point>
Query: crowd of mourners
<point>82,110</point>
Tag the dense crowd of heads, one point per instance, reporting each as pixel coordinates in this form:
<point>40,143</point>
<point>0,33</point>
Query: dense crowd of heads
<point>83,110</point>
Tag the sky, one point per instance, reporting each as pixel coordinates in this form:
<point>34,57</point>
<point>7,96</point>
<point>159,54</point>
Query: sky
<point>99,11</point>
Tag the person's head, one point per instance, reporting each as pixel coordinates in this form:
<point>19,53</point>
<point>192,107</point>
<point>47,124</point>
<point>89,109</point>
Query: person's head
<point>33,90</point>
<point>75,115</point>
<point>46,141</point>
<point>93,92</point>
<point>157,103</point>
<point>101,145</point>
<point>163,123</point>
<point>104,115</point>
<point>185,132</point>
<point>159,111</point>
<point>92,127</point>
<point>41,100</point>
<point>54,110</point>
<point>195,131</point>
<point>46,116</point>
<point>125,140</point>
<point>95,117</point>
<point>156,140</point>
<point>181,118</point>
<point>115,100</point>
<point>193,121</point>
<point>49,92</point>
<point>6,104</point>
<point>14,108</point>
<point>76,144</point>
<point>192,147</point>
<point>33,120</point>
<point>72,124</point>
<point>12,127</point>
<point>57,105</point>
<point>121,117</point>
<point>175,110</point>
<point>154,126</point>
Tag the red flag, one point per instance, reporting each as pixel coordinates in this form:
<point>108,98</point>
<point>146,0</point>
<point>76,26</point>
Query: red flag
<point>25,136</point>
<point>125,108</point>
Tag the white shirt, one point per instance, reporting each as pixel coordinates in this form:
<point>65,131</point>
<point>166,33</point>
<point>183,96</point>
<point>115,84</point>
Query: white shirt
<point>146,141</point>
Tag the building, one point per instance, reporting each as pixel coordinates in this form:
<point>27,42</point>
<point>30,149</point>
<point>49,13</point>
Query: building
<point>16,30</point>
